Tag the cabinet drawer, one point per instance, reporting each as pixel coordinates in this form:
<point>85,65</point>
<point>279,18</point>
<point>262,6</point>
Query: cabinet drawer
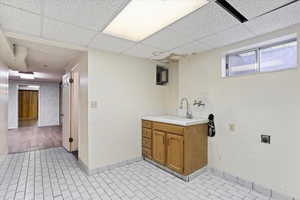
<point>146,124</point>
<point>168,128</point>
<point>147,152</point>
<point>146,142</point>
<point>147,133</point>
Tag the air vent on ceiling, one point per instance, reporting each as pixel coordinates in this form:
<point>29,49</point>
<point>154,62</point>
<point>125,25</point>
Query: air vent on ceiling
<point>231,10</point>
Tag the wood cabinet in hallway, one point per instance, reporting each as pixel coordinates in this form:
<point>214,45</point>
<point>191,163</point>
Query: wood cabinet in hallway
<point>28,105</point>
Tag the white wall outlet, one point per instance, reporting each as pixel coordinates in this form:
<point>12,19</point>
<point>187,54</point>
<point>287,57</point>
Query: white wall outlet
<point>231,127</point>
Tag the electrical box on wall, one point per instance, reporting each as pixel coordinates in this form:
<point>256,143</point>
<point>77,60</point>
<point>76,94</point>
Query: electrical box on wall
<point>162,75</point>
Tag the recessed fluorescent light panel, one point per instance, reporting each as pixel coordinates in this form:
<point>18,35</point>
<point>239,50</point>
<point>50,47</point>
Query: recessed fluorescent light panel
<point>26,75</point>
<point>141,18</point>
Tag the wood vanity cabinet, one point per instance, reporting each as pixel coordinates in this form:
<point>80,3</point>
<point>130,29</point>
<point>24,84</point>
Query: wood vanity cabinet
<point>175,152</point>
<point>182,149</point>
<point>158,147</point>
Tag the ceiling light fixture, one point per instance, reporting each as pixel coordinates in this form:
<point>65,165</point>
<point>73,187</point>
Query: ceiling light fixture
<point>141,18</point>
<point>26,75</point>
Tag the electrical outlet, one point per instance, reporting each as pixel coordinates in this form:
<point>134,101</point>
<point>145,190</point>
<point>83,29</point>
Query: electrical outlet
<point>266,139</point>
<point>231,127</point>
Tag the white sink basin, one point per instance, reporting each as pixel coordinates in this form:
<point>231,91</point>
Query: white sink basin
<point>170,119</point>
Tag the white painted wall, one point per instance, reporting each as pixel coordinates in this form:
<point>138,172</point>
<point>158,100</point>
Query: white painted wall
<point>48,103</point>
<point>83,144</point>
<point>3,107</point>
<point>13,105</point>
<point>171,94</point>
<point>267,103</point>
<point>125,90</point>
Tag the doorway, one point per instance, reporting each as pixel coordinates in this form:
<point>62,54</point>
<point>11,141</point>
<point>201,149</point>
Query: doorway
<point>28,108</point>
<point>34,112</point>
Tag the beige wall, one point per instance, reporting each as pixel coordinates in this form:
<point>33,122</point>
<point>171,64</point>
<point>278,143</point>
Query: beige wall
<point>83,109</point>
<point>3,107</point>
<point>124,89</point>
<point>171,94</point>
<point>267,103</point>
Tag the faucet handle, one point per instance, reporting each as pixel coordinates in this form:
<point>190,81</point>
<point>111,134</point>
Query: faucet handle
<point>198,103</point>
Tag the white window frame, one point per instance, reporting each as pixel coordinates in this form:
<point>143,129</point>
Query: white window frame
<point>257,50</point>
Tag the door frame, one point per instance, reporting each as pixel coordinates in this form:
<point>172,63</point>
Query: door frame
<point>71,115</point>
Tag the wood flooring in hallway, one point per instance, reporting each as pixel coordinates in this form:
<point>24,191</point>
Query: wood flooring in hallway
<point>33,138</point>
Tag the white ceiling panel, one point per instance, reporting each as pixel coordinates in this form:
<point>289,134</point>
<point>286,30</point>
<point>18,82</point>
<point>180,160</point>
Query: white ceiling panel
<point>93,14</point>
<point>168,39</point>
<point>142,50</point>
<point>253,8</point>
<point>66,33</point>
<point>46,62</point>
<point>206,21</point>
<point>109,43</point>
<point>230,36</point>
<point>16,20</point>
<point>39,55</point>
<point>54,51</point>
<point>30,5</point>
<point>194,47</point>
<point>276,20</point>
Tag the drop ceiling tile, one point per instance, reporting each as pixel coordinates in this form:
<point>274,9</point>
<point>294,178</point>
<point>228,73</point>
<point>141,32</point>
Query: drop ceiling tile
<point>194,47</point>
<point>141,50</point>
<point>208,20</point>
<point>229,36</point>
<point>277,20</point>
<point>66,33</point>
<point>93,14</point>
<point>168,39</point>
<point>30,5</point>
<point>109,43</point>
<point>255,8</point>
<point>16,20</point>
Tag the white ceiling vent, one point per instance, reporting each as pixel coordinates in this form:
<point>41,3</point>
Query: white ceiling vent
<point>171,58</point>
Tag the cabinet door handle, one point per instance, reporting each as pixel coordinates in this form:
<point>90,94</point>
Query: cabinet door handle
<point>163,140</point>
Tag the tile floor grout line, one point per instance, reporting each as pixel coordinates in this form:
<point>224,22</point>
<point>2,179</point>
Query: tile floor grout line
<point>54,174</point>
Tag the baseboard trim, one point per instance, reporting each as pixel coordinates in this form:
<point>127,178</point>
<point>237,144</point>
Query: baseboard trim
<point>90,172</point>
<point>269,193</point>
<point>185,178</point>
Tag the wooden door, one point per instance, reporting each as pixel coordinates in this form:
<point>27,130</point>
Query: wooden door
<point>28,105</point>
<point>175,152</point>
<point>159,149</point>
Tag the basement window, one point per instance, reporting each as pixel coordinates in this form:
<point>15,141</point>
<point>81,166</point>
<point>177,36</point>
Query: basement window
<point>268,58</point>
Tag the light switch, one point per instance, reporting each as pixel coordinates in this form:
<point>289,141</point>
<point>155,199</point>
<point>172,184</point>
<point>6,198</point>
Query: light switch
<point>94,104</point>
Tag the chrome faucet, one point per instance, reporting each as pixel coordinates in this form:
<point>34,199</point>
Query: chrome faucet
<point>188,112</point>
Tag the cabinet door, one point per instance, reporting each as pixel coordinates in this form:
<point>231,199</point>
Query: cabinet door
<point>175,152</point>
<point>159,149</point>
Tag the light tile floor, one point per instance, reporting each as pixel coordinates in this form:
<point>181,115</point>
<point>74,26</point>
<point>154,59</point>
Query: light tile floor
<point>54,174</point>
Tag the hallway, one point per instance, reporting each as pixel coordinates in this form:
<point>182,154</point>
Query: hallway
<point>33,138</point>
